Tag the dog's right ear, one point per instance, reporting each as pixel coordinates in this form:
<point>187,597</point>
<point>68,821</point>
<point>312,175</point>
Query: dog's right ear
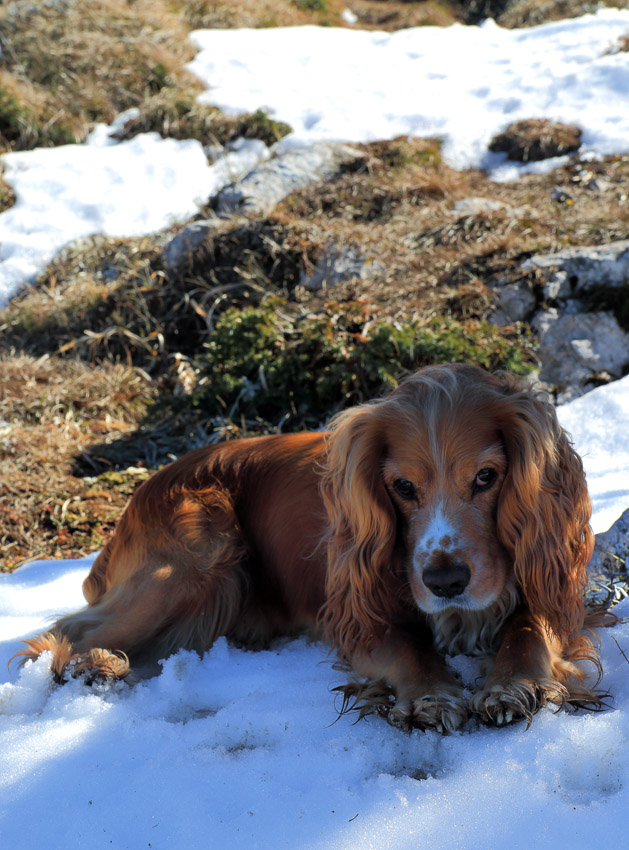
<point>362,530</point>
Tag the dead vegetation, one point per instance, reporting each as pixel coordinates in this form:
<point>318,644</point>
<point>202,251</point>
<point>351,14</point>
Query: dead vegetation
<point>536,139</point>
<point>110,363</point>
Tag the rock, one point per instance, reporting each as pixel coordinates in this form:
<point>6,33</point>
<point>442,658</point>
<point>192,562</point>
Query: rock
<point>474,206</point>
<point>179,252</point>
<point>558,286</point>
<point>608,570</point>
<point>264,187</point>
<point>584,268</point>
<point>575,347</point>
<point>517,302</point>
<point>338,264</point>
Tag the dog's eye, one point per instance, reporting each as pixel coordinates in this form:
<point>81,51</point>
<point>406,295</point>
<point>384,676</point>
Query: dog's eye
<point>404,489</point>
<point>484,478</point>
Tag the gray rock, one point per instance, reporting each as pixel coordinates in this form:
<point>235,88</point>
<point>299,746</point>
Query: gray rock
<point>517,302</point>
<point>179,252</point>
<point>338,264</point>
<point>573,347</point>
<point>475,205</point>
<point>264,187</point>
<point>608,570</point>
<point>585,267</point>
<point>558,286</point>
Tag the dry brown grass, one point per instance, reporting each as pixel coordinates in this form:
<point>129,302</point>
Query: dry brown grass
<point>51,410</point>
<point>530,13</point>
<point>535,139</point>
<point>73,64</point>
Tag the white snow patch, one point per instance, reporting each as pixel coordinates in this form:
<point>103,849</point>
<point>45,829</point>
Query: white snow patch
<point>461,84</point>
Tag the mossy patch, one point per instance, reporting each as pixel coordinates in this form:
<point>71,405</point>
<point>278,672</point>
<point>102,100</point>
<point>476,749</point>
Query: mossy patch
<point>21,130</point>
<point>267,364</point>
<point>175,114</point>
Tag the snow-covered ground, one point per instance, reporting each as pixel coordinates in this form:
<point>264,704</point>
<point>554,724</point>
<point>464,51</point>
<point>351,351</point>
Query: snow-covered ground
<point>244,749</point>
<point>121,190</point>
<point>459,83</point>
<point>462,84</point>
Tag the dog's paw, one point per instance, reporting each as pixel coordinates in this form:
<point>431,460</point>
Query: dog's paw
<point>98,665</point>
<point>507,702</point>
<point>443,712</point>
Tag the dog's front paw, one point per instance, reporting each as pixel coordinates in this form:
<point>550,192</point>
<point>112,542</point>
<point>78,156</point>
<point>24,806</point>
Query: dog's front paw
<point>443,712</point>
<point>98,665</point>
<point>506,702</point>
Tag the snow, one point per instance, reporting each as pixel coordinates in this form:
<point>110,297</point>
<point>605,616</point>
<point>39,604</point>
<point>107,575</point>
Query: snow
<point>245,749</point>
<point>462,84</point>
<point>120,190</point>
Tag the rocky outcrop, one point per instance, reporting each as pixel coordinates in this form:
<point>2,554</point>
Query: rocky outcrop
<point>338,264</point>
<point>608,570</point>
<point>577,270</point>
<point>268,184</point>
<point>575,348</point>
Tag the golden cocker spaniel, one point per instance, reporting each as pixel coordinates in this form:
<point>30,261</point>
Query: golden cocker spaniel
<point>449,517</point>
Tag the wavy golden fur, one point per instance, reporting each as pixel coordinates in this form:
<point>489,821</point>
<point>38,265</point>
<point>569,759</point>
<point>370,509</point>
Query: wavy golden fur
<point>451,516</point>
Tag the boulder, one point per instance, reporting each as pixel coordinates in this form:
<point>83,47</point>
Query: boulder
<point>575,347</point>
<point>268,184</point>
<point>517,302</point>
<point>576,270</point>
<point>608,570</point>
<point>179,253</point>
<point>338,264</point>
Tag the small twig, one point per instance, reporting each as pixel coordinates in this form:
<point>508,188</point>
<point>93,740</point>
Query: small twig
<point>622,652</point>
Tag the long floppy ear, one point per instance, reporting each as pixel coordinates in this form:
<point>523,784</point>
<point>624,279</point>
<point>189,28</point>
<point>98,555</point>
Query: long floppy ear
<point>544,512</point>
<point>361,531</point>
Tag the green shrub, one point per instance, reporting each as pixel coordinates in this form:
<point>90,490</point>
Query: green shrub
<point>262,365</point>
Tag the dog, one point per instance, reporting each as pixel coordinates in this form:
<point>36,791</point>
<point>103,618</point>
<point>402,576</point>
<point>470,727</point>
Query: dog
<point>451,516</point>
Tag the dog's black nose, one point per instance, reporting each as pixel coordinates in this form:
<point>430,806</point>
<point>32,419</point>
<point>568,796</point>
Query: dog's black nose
<point>449,581</point>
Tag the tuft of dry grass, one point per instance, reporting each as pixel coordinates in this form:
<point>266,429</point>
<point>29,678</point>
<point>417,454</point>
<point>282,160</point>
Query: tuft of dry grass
<point>530,13</point>
<point>175,114</point>
<point>7,195</point>
<point>535,139</point>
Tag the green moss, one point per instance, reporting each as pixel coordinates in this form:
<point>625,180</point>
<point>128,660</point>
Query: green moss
<point>11,116</point>
<point>404,152</point>
<point>261,364</point>
<point>20,130</point>
<point>259,125</point>
<point>312,5</point>
<point>179,117</point>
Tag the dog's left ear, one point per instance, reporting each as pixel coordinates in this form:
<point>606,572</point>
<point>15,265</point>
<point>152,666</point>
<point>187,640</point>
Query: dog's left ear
<point>362,529</point>
<point>544,511</point>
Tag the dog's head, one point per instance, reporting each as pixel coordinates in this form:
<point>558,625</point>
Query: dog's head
<point>456,485</point>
